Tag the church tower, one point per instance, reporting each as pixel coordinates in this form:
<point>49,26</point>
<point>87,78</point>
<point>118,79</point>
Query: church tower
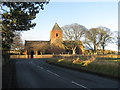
<point>56,35</point>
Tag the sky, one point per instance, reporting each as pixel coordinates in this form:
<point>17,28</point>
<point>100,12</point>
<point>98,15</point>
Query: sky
<point>89,14</point>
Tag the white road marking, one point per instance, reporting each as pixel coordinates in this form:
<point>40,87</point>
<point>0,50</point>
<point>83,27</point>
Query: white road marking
<point>80,85</point>
<point>41,67</point>
<point>53,73</point>
<point>56,74</point>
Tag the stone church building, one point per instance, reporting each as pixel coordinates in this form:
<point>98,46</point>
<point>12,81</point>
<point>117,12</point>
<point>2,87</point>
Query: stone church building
<point>54,46</point>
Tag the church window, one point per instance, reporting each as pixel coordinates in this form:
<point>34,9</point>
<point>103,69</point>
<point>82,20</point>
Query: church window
<point>56,34</point>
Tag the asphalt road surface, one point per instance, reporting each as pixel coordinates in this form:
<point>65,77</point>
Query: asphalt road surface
<point>36,73</point>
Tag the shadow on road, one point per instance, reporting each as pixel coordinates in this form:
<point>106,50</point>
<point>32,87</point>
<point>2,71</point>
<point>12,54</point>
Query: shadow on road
<point>9,75</point>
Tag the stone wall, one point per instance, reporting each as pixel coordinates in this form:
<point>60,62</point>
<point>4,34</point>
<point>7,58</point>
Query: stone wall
<point>42,56</point>
<point>26,56</point>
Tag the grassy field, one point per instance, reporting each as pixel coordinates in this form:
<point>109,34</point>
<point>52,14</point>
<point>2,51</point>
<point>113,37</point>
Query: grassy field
<point>100,65</point>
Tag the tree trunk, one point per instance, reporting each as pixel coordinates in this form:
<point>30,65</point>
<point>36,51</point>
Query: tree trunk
<point>74,50</point>
<point>41,53</point>
<point>94,48</point>
<point>103,49</point>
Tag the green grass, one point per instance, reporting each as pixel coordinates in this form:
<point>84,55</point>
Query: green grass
<point>104,66</point>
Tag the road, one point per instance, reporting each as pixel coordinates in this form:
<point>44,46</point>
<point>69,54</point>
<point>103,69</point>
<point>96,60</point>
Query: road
<point>36,73</point>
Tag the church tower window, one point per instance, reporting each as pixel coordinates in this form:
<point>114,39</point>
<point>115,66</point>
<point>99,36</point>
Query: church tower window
<point>56,34</point>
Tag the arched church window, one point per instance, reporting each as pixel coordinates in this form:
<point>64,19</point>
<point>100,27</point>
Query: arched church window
<point>56,34</point>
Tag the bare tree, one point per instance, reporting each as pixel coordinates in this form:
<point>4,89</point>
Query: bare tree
<point>98,38</point>
<point>92,38</point>
<point>72,35</point>
<point>17,41</point>
<point>116,37</point>
<point>105,37</point>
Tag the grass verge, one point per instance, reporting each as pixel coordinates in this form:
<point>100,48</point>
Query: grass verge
<point>100,66</point>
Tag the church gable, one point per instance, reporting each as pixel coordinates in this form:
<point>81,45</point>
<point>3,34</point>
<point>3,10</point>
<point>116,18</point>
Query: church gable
<point>56,27</point>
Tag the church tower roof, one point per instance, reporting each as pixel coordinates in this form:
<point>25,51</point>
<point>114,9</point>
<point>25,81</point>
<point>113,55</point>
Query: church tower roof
<point>56,27</point>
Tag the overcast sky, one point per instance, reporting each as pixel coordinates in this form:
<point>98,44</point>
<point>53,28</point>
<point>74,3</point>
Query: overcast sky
<point>88,14</point>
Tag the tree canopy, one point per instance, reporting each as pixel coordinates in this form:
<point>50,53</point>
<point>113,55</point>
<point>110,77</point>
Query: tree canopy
<point>72,35</point>
<point>73,32</point>
<point>98,37</point>
<point>106,37</point>
<point>18,16</point>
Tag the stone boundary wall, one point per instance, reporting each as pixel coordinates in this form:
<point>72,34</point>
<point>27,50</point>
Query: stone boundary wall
<point>42,56</point>
<point>109,56</point>
<point>64,55</point>
<point>26,56</point>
